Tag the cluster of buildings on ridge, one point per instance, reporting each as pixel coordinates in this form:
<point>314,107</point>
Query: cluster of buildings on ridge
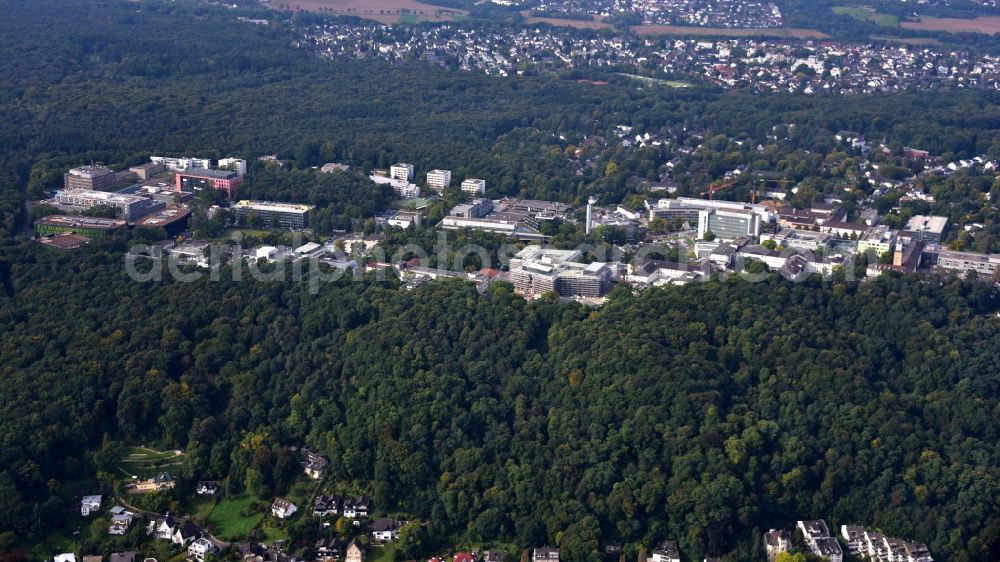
<point>702,13</point>
<point>400,178</point>
<point>765,65</point>
<point>150,195</point>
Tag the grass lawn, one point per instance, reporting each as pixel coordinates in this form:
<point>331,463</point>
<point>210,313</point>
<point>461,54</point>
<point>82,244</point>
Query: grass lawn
<point>667,83</point>
<point>227,235</point>
<point>867,14</point>
<point>144,462</point>
<point>228,522</point>
<point>385,553</point>
<point>272,534</point>
<point>202,508</point>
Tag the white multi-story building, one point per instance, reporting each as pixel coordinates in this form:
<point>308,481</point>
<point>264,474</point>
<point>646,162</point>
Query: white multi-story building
<point>182,163</point>
<point>401,171</point>
<point>235,164</point>
<point>439,179</point>
<point>963,262</point>
<point>879,239</point>
<point>275,215</point>
<point>401,187</point>
<point>130,207</point>
<point>474,186</point>
<point>200,548</point>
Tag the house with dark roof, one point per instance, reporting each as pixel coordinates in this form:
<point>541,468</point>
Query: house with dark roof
<point>325,505</point>
<point>545,554</point>
<point>385,530</point>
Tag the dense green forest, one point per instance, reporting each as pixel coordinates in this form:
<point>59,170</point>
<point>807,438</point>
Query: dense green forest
<point>705,414</point>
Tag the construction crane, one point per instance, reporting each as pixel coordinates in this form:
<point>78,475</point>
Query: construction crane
<point>719,186</point>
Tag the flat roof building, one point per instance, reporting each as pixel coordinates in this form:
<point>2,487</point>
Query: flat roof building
<point>799,239</point>
<point>535,271</point>
<point>402,187</point>
<point>182,163</point>
<point>198,179</point>
<point>147,170</point>
<point>439,179</point>
<point>879,239</point>
<point>130,207</point>
<point>275,215</point>
<point>401,171</point>
<point>728,224</point>
<point>237,165</point>
<point>172,219</point>
<point>91,227</point>
<point>962,262</point>
<point>474,186</point>
<point>91,177</point>
<point>926,227</point>
<point>474,209</point>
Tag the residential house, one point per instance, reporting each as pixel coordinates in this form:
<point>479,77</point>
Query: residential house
<point>65,557</point>
<point>854,535</point>
<point>162,528</point>
<point>356,508</point>
<point>354,553</point>
<point>829,548</point>
<point>666,551</point>
<point>185,534</point>
<point>464,556</point>
<point>160,482</point>
<point>876,546</point>
<point>282,508</point>
<point>207,488</point>
<point>95,558</point>
<point>327,549</point>
<point>89,504</point>
<point>325,505</point>
<point>385,529</point>
<point>818,539</point>
<point>200,548</point>
<point>120,521</point>
<point>545,554</point>
<point>315,465</point>
<point>776,542</point>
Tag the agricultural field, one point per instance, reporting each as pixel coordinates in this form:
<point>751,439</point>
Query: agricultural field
<point>915,41</point>
<point>862,13</point>
<point>384,11</point>
<point>989,25</point>
<point>593,23</point>
<point>143,462</point>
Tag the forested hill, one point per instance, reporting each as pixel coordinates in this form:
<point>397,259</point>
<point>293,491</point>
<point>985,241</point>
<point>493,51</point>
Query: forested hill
<point>705,413</point>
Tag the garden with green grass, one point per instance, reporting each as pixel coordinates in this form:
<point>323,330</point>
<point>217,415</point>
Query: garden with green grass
<point>862,13</point>
<point>143,462</point>
<point>233,518</point>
